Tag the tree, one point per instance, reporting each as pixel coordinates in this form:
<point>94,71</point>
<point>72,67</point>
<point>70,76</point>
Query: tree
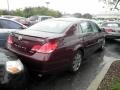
<point>110,2</point>
<point>87,15</point>
<point>32,11</point>
<point>78,15</point>
<point>117,4</point>
<point>113,3</point>
<point>5,12</point>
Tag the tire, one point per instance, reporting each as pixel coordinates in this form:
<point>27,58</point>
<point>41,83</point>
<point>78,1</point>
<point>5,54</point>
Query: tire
<point>76,63</point>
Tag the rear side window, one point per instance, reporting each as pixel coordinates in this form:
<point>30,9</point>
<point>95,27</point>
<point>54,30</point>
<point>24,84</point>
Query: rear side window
<point>86,27</point>
<point>7,24</point>
<point>73,30</point>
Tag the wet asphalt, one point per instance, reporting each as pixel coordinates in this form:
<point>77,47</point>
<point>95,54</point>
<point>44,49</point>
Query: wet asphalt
<point>82,79</point>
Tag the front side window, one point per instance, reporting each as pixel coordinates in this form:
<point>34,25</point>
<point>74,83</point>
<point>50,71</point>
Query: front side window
<point>51,26</point>
<point>95,27</point>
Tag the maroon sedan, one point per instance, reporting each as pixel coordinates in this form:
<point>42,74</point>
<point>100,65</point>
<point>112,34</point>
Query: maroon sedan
<point>57,44</point>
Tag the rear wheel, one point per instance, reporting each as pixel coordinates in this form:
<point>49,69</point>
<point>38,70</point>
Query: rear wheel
<point>76,63</point>
<point>103,45</point>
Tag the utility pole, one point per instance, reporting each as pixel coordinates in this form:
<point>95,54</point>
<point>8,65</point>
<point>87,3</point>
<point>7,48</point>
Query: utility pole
<point>47,3</point>
<point>8,6</point>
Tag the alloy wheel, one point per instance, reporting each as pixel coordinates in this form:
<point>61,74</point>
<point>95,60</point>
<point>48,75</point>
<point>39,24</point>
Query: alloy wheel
<point>76,62</point>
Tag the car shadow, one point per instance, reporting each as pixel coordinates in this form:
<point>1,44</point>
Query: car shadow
<point>113,46</point>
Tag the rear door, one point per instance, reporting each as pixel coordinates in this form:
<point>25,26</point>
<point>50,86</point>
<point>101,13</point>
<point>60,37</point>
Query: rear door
<point>98,34</point>
<point>89,38</point>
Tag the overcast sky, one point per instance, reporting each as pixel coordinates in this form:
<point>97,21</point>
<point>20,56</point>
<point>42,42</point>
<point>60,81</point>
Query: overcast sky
<point>67,6</point>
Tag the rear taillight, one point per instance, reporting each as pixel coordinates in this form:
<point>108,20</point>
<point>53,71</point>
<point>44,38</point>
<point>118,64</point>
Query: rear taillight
<point>108,30</point>
<point>10,39</point>
<point>46,48</point>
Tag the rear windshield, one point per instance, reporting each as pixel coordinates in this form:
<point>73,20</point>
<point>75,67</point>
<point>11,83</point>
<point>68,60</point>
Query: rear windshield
<point>111,25</point>
<point>51,26</point>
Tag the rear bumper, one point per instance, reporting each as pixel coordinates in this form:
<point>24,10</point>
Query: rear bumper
<point>42,67</point>
<point>42,63</point>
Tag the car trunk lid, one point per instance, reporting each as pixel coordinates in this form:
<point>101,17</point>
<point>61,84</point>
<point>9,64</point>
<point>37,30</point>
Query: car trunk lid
<point>24,44</point>
<point>24,41</point>
<point>111,29</point>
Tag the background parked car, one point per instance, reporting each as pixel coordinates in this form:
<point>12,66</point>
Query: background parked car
<point>37,18</point>
<point>56,44</point>
<point>112,29</point>
<point>12,72</point>
<point>7,26</point>
<point>19,19</point>
<point>98,22</point>
<point>22,20</point>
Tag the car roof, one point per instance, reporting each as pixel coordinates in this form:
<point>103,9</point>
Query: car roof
<point>10,20</point>
<point>7,16</point>
<point>4,18</point>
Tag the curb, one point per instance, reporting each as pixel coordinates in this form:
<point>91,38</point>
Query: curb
<point>96,82</point>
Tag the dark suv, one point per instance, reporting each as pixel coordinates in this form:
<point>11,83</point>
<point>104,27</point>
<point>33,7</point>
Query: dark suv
<point>57,44</point>
<point>12,72</point>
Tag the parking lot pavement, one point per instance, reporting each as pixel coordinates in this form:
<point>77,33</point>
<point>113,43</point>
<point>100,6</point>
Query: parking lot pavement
<point>87,72</point>
<point>113,48</point>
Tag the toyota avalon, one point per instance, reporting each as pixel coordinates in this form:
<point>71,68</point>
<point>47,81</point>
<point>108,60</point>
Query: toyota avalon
<point>57,44</point>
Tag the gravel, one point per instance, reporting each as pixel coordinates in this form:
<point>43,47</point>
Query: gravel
<point>112,75</point>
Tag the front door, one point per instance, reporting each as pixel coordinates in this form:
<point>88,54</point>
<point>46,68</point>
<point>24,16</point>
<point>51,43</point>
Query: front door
<point>89,38</point>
